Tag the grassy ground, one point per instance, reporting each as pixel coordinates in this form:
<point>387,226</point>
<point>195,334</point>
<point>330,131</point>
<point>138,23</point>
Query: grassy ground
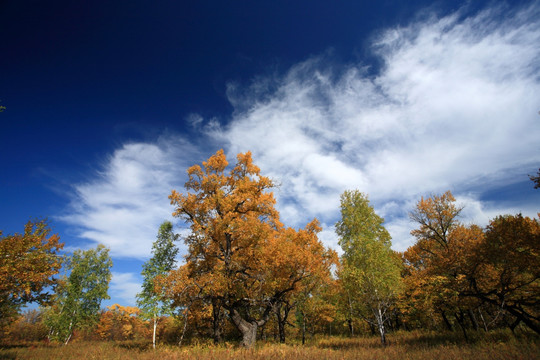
<point>411,345</point>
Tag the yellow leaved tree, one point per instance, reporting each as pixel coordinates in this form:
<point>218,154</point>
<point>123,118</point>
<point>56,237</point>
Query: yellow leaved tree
<point>240,256</point>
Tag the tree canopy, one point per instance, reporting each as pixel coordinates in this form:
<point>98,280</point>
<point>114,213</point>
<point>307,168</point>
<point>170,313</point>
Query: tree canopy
<point>151,302</point>
<point>79,296</point>
<point>29,263</point>
<point>371,272</point>
<point>240,256</point>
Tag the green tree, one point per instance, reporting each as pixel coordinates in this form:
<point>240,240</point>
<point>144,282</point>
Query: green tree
<point>79,295</point>
<point>151,303</point>
<point>28,263</point>
<point>370,269</point>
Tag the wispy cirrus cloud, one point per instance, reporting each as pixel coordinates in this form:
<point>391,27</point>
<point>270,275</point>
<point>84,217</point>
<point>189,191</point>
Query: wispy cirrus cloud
<point>453,106</point>
<point>125,204</point>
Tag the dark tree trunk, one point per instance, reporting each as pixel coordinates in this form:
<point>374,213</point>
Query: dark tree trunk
<point>516,310</point>
<point>216,321</point>
<point>351,330</point>
<point>397,322</point>
<point>281,330</point>
<point>282,319</point>
<point>473,320</point>
<point>263,333</point>
<point>461,325</point>
<point>513,325</point>
<point>526,320</point>
<point>372,328</point>
<point>446,321</point>
<point>303,328</point>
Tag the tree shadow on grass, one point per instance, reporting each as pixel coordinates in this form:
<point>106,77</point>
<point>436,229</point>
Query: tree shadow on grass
<point>134,345</point>
<point>349,343</point>
<point>7,354</point>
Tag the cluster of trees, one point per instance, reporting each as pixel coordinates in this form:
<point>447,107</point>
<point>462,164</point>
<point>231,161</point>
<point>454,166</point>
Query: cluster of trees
<point>244,266</point>
<point>466,271</point>
<point>29,264</point>
<point>247,276</point>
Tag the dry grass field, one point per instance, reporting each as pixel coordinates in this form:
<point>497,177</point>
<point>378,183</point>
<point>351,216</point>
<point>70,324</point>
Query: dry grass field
<point>410,345</point>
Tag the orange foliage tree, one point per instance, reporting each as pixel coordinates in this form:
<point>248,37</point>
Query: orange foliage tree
<point>456,268</point>
<point>29,262</point>
<point>121,323</point>
<point>504,268</point>
<point>435,265</point>
<point>240,257</point>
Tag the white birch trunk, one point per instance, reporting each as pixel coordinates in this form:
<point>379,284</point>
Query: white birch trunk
<point>154,335</point>
<point>380,323</point>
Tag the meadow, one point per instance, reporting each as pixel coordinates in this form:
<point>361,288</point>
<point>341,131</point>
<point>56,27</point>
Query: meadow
<point>402,345</point>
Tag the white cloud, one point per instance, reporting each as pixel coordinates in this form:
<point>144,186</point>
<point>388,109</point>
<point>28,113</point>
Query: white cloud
<point>125,286</point>
<point>455,103</point>
<point>454,106</point>
<point>124,206</point>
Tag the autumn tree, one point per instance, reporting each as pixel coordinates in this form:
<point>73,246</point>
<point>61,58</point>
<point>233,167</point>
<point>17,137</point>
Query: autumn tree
<point>466,267</point>
<point>371,271</point>
<point>121,323</point>
<point>240,257</point>
<point>27,327</point>
<point>504,268</point>
<point>79,295</point>
<point>29,263</point>
<point>437,217</point>
<point>186,295</point>
<point>311,296</point>
<point>316,309</point>
<point>441,253</point>
<point>152,303</point>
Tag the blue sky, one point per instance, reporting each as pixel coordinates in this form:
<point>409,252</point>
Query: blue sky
<point>108,103</point>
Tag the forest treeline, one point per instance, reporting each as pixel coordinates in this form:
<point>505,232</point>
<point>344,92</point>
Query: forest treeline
<point>248,277</point>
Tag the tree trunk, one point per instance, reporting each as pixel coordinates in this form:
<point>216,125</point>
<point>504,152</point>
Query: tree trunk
<point>248,329</point>
<point>263,333</point>
<point>526,320</point>
<point>518,312</point>
<point>397,322</point>
<point>473,320</point>
<point>349,320</point>
<point>154,334</point>
<point>446,321</point>
<point>513,325</point>
<point>461,325</point>
<point>483,320</point>
<point>70,333</point>
<point>216,322</point>
<point>372,328</point>
<point>380,323</point>
<point>185,326</point>
<point>70,329</point>
<point>281,328</point>
<point>303,328</point>
<point>282,319</point>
